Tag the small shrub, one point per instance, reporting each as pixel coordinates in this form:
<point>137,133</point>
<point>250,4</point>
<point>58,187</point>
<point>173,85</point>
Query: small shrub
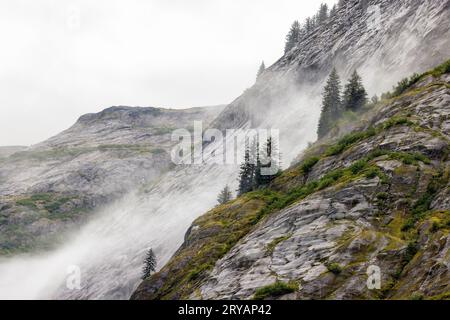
<point>382,196</point>
<point>406,83</point>
<point>372,172</point>
<point>409,224</point>
<point>334,268</point>
<point>308,164</point>
<point>358,166</point>
<point>411,251</point>
<point>275,290</point>
<point>417,296</point>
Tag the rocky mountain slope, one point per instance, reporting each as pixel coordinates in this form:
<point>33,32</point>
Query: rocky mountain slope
<point>378,196</point>
<point>50,187</point>
<point>52,182</point>
<point>382,39</point>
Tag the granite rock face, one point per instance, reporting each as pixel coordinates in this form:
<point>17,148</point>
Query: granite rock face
<point>386,209</point>
<point>384,40</point>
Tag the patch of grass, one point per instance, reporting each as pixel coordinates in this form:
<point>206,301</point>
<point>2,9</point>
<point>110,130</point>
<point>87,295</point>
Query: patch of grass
<point>26,203</point>
<point>358,166</point>
<point>409,158</point>
<point>44,197</point>
<point>325,183</point>
<point>397,121</point>
<point>348,140</point>
<point>275,290</point>
<point>439,70</point>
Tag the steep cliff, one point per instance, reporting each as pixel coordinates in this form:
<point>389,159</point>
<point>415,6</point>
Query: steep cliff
<point>377,197</point>
<point>384,40</point>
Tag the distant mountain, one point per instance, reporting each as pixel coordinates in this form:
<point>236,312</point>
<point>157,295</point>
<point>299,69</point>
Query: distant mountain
<point>47,188</point>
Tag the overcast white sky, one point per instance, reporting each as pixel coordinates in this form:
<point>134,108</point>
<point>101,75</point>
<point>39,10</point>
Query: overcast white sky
<point>60,59</point>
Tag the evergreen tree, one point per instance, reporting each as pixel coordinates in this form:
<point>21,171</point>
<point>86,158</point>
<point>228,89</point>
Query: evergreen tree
<point>224,196</point>
<point>355,95</point>
<point>331,104</point>
<point>149,265</point>
<point>246,175</point>
<point>333,11</point>
<point>322,16</point>
<point>269,160</point>
<point>293,37</point>
<point>261,70</point>
<point>309,25</point>
<point>257,161</point>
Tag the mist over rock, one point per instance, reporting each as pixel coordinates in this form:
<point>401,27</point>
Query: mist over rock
<point>384,40</point>
<point>100,158</point>
<point>376,203</point>
<point>109,183</point>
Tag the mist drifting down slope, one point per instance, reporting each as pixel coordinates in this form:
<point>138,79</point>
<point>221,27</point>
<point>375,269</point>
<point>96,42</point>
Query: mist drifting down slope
<point>110,248</point>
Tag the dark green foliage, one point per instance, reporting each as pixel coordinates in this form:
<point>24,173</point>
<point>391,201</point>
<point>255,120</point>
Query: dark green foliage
<point>293,37</point>
<point>423,204</point>
<point>246,174</point>
<point>149,264</point>
<point>382,196</point>
<point>275,290</point>
<point>224,196</point>
<point>405,84</point>
<point>325,183</point>
<point>308,164</point>
<point>268,166</point>
<point>334,268</point>
<point>331,104</point>
<point>355,95</point>
<point>259,168</point>
<point>358,166</point>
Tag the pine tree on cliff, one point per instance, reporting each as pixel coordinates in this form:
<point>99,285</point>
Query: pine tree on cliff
<point>224,196</point>
<point>322,16</point>
<point>270,163</point>
<point>261,70</point>
<point>331,104</point>
<point>355,95</point>
<point>149,265</point>
<point>309,25</point>
<point>293,37</point>
<point>256,158</point>
<point>333,11</point>
<point>246,175</point>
